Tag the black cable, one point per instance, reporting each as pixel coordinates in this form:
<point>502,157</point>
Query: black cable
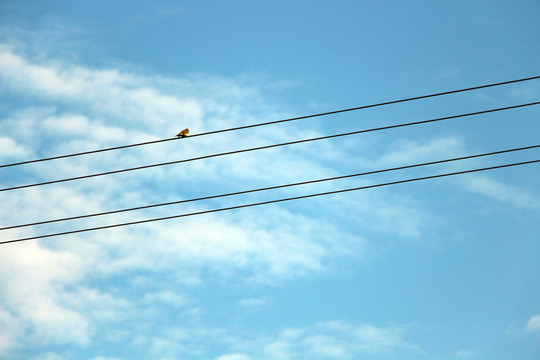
<point>267,202</point>
<point>278,121</point>
<point>273,187</point>
<point>268,146</point>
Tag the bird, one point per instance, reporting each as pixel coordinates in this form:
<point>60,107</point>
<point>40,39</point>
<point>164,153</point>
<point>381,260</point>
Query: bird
<point>183,133</point>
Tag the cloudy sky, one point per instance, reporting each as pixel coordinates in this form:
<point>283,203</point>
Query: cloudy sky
<point>442,269</point>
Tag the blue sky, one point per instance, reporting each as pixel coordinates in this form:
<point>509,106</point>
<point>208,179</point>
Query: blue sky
<point>445,269</point>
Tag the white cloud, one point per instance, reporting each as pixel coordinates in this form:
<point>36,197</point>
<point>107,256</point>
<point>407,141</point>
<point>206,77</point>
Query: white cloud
<point>235,356</point>
<point>10,330</point>
<point>465,354</point>
<point>252,303</point>
<point>534,323</point>
<point>325,340</point>
<point>502,192</point>
<point>48,356</point>
<point>410,152</point>
<point>166,297</point>
<point>526,91</point>
<point>31,277</point>
<point>50,299</point>
<point>10,149</point>
<point>100,92</point>
<point>51,296</point>
<point>337,340</point>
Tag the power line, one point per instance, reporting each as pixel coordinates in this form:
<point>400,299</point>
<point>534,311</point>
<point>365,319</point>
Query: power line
<point>268,147</point>
<point>267,202</point>
<point>273,187</point>
<point>279,121</point>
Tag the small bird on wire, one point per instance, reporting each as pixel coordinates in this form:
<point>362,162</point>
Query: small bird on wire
<point>183,133</point>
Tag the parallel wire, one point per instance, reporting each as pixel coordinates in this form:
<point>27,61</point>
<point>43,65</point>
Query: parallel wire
<point>269,146</point>
<point>273,187</point>
<point>267,202</point>
<point>278,121</point>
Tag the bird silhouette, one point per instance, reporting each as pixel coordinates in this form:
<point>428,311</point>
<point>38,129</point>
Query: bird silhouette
<point>183,133</point>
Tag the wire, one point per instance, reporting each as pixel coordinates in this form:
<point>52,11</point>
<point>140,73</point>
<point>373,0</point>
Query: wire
<point>267,147</point>
<point>271,187</point>
<point>278,121</point>
<point>267,202</point>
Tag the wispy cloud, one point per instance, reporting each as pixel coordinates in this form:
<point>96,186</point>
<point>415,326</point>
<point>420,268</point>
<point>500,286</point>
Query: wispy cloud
<point>410,152</point>
<point>325,340</point>
<point>10,149</point>
<point>235,356</point>
<point>252,303</point>
<point>527,91</point>
<point>34,305</point>
<point>51,356</point>
<point>502,192</point>
<point>79,108</point>
<point>337,340</point>
<point>463,354</point>
<point>533,324</point>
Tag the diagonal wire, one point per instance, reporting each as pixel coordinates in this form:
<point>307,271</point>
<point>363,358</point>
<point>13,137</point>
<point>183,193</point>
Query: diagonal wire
<point>279,121</point>
<point>267,202</point>
<point>268,146</point>
<point>273,187</point>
